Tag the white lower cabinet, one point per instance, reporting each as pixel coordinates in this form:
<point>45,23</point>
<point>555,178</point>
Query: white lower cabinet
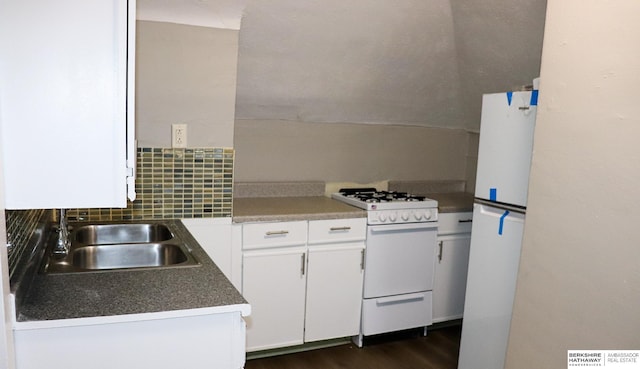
<point>222,241</point>
<point>274,283</point>
<point>302,289</point>
<point>334,291</point>
<point>192,341</point>
<point>452,261</point>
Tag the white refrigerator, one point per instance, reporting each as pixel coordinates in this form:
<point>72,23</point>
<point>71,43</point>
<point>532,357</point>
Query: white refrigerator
<point>504,161</point>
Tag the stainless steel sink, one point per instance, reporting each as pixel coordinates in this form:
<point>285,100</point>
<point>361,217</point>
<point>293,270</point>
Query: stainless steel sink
<point>135,255</point>
<point>120,246</point>
<point>102,234</point>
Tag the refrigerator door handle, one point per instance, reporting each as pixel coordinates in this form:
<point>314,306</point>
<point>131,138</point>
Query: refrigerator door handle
<point>492,211</point>
<point>501,215</point>
<point>498,206</point>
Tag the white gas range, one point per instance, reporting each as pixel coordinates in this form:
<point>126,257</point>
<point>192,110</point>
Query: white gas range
<point>399,259</point>
<point>390,207</point>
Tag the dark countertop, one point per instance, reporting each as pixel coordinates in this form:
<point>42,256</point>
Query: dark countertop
<point>99,294</point>
<point>271,209</point>
<point>452,202</point>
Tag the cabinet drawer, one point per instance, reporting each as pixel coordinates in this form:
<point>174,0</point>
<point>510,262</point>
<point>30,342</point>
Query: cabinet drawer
<point>392,313</point>
<point>279,234</point>
<point>450,223</point>
<point>337,230</point>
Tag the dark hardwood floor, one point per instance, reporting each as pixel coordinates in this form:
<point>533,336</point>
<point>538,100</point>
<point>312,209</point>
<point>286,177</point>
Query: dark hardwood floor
<point>438,350</point>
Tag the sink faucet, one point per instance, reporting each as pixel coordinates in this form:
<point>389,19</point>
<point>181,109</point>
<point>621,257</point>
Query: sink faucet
<point>62,245</point>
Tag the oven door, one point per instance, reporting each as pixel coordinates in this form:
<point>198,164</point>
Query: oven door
<point>400,258</point>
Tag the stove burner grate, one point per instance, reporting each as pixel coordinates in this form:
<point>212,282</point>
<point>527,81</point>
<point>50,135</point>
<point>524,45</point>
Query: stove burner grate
<point>369,195</point>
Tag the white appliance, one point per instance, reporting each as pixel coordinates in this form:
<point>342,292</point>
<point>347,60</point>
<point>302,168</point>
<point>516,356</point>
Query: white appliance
<point>399,259</point>
<point>504,161</point>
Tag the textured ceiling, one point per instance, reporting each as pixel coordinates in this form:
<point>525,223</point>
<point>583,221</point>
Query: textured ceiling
<point>499,46</point>
<point>403,61</point>
<point>348,61</point>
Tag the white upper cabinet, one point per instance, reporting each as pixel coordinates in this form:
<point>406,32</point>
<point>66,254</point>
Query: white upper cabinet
<point>67,103</point>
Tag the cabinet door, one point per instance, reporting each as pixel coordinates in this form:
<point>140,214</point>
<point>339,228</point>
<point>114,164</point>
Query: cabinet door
<point>65,92</point>
<point>334,291</point>
<point>273,282</point>
<point>452,260</point>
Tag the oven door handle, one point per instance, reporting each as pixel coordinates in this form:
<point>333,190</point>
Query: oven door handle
<point>400,227</point>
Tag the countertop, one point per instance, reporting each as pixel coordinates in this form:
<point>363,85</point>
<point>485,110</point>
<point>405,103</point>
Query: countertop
<point>452,202</point>
<point>265,209</point>
<point>101,294</point>
<point>450,194</point>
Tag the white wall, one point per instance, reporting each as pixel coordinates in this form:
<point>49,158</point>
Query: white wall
<point>472,161</point>
<point>395,64</point>
<point>342,152</point>
<point>185,74</point>
<point>223,14</point>
<point>498,48</point>
<point>307,71</point>
<point>404,61</point>
<point>407,61</point>
<point>349,61</point>
<point>579,280</point>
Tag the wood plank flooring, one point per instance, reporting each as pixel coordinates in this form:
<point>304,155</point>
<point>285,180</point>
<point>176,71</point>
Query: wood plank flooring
<point>438,350</point>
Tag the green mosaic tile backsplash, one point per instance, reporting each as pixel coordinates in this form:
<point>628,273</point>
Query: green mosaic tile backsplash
<point>175,183</point>
<point>21,224</point>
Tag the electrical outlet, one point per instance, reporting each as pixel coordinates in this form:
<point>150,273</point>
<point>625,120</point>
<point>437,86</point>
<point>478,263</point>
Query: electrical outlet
<point>178,135</point>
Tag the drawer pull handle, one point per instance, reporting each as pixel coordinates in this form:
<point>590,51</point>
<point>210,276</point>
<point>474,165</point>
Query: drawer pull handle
<point>276,233</point>
<point>336,229</point>
<point>465,220</point>
<point>400,299</point>
<point>303,266</point>
<point>440,251</point>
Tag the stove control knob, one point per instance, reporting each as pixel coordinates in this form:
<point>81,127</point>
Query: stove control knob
<point>382,217</point>
<point>393,217</point>
<point>417,215</point>
<point>428,214</point>
<point>405,216</point>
